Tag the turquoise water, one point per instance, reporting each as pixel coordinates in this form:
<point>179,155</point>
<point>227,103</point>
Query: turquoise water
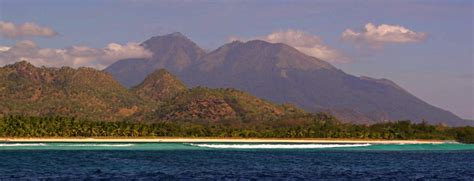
<point>236,161</point>
<point>234,146</point>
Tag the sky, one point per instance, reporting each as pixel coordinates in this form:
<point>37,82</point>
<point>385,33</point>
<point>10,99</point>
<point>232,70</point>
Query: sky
<point>424,46</point>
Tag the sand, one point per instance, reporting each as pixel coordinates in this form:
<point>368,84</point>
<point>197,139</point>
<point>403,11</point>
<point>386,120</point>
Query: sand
<point>221,140</point>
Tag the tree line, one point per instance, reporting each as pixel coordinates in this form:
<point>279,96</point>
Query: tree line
<point>311,126</point>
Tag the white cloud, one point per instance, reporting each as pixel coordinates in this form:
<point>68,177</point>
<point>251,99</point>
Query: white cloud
<point>311,45</point>
<point>75,56</point>
<point>4,48</point>
<point>377,36</point>
<point>10,30</point>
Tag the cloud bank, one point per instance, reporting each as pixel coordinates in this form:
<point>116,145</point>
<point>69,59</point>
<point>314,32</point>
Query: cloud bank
<point>378,36</point>
<point>12,31</point>
<point>309,44</point>
<point>74,56</point>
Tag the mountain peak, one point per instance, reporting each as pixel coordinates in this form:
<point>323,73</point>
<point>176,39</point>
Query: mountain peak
<point>175,36</point>
<point>178,34</point>
<point>259,55</point>
<point>167,46</point>
<point>26,70</point>
<point>175,52</point>
<point>22,64</point>
<point>256,44</point>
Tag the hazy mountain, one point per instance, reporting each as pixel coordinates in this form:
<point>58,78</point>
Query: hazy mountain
<point>280,73</point>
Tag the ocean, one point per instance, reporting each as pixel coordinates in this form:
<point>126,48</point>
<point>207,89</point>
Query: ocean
<point>235,161</point>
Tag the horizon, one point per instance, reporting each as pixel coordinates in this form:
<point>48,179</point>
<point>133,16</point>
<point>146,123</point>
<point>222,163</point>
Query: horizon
<point>428,49</point>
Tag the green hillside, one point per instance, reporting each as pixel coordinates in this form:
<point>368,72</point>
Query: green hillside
<point>84,92</point>
<point>159,86</point>
<point>214,105</point>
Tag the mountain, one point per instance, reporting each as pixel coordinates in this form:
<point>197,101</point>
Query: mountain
<point>174,52</point>
<point>282,74</point>
<point>84,92</point>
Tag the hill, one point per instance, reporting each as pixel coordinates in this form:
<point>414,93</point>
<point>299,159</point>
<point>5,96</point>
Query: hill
<point>159,86</point>
<point>204,104</point>
<point>84,92</point>
<point>90,94</point>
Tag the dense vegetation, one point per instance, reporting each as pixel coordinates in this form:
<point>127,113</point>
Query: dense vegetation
<point>310,126</point>
<point>84,92</point>
<point>220,104</point>
<point>159,86</point>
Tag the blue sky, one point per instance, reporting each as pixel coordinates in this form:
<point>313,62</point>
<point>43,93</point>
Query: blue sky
<point>438,69</point>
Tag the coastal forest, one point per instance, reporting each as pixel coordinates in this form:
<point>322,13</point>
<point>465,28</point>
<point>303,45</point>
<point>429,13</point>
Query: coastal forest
<point>319,125</point>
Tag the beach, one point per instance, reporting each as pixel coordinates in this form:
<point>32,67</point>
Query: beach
<point>220,140</point>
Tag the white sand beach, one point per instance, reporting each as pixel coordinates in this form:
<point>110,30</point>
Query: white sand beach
<point>221,140</point>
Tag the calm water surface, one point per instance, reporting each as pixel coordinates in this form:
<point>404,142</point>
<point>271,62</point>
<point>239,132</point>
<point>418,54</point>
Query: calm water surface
<point>234,161</point>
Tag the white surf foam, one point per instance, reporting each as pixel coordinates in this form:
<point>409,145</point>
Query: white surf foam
<point>98,145</point>
<point>278,146</point>
<point>21,144</point>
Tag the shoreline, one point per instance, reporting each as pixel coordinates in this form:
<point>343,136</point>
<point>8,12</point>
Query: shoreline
<point>220,140</point>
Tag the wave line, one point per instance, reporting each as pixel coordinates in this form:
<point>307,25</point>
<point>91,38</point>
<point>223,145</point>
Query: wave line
<point>21,144</point>
<point>277,146</point>
<point>98,145</point>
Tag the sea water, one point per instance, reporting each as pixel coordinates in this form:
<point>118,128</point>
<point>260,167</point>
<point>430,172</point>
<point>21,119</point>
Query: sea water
<point>235,161</point>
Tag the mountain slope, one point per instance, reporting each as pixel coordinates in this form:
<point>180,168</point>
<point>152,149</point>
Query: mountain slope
<point>83,92</point>
<point>174,52</point>
<point>280,73</point>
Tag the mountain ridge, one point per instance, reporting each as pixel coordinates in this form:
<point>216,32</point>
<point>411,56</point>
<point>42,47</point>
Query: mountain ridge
<point>282,74</point>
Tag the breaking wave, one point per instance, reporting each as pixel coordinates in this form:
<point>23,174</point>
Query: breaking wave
<point>277,146</point>
<point>98,145</point>
<point>21,144</point>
